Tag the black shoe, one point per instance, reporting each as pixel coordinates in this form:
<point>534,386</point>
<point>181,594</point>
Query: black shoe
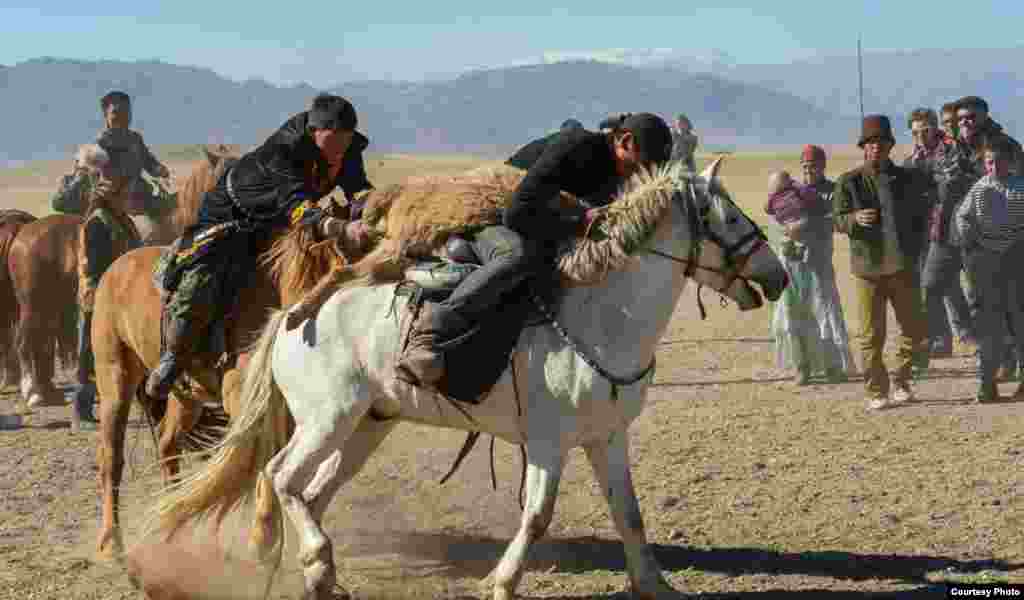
<point>83,418</point>
<point>986,394</point>
<point>942,349</point>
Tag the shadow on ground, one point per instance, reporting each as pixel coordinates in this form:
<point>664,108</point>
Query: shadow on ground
<point>475,556</point>
<point>706,382</point>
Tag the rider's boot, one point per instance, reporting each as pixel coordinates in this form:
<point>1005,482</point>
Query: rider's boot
<point>172,361</point>
<point>82,414</point>
<point>422,362</point>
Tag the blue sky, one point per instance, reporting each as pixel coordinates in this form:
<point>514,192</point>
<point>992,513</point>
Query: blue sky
<point>330,42</point>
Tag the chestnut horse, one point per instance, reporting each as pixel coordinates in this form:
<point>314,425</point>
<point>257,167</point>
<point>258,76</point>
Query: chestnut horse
<point>11,221</point>
<point>42,263</point>
<point>126,344</point>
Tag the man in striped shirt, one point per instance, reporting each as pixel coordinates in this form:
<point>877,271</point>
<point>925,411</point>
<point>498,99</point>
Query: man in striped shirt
<point>991,225</point>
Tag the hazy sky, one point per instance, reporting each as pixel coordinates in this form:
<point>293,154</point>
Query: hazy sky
<point>330,42</point>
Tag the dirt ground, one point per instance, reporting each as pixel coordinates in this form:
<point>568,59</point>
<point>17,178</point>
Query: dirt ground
<point>750,487</point>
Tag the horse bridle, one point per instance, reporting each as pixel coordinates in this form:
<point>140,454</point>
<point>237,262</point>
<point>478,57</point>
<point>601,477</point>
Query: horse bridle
<point>701,231</point>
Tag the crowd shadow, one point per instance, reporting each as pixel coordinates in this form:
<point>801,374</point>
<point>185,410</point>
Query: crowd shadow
<point>707,382</point>
<point>743,340</point>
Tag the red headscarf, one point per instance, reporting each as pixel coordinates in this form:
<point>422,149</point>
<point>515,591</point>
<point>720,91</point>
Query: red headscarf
<point>812,153</point>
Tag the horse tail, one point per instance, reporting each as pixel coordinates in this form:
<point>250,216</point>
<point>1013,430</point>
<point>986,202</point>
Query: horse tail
<point>11,222</point>
<point>230,477</point>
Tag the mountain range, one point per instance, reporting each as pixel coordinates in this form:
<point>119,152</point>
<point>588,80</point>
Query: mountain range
<point>50,104</point>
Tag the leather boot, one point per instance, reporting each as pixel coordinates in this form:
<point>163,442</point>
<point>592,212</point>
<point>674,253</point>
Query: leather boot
<point>82,414</point>
<point>422,363</point>
<point>162,378</point>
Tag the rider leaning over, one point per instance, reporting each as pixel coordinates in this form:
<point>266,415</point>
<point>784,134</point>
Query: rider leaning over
<point>270,188</point>
<point>589,165</point>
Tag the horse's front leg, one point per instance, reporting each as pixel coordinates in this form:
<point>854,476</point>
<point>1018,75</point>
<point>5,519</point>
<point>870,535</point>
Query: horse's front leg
<point>610,461</point>
<point>544,471</point>
<point>181,416</point>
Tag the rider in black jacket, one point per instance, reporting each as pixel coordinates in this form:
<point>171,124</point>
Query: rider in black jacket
<point>271,187</point>
<point>588,165</point>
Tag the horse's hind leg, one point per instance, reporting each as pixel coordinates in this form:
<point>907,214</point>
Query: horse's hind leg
<point>543,473</point>
<point>367,437</point>
<point>23,336</point>
<point>118,376</point>
<point>311,462</point>
<point>610,461</point>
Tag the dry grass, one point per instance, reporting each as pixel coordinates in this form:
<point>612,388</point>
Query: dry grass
<point>749,485</point>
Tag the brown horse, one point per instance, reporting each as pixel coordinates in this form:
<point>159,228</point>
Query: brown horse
<point>11,221</point>
<point>126,344</point>
<point>43,261</point>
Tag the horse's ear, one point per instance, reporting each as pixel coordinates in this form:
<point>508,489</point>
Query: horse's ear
<point>711,171</point>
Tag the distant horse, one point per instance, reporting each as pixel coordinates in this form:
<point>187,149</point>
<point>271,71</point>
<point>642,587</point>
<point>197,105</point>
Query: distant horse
<point>582,380</point>
<point>42,263</point>
<point>11,221</point>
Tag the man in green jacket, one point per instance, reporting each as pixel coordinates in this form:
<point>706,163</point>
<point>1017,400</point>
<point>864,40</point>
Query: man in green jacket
<point>883,208</point>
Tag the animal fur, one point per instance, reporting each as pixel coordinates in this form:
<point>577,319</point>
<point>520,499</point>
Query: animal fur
<point>417,217</point>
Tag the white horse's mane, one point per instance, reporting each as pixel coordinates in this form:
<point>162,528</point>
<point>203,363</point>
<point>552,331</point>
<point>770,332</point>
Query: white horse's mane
<point>631,220</point>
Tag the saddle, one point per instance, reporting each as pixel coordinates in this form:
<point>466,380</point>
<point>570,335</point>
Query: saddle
<point>478,358</point>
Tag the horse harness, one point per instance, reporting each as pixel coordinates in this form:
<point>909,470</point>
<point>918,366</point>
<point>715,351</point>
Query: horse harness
<point>700,231</point>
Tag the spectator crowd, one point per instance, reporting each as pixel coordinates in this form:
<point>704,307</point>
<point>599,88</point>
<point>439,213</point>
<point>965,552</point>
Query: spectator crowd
<point>936,238</point>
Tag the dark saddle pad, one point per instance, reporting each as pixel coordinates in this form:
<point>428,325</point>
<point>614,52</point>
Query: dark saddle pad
<point>475,361</point>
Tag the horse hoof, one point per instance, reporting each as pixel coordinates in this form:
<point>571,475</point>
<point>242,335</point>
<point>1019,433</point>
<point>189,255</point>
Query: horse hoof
<point>51,398</point>
<point>110,548</point>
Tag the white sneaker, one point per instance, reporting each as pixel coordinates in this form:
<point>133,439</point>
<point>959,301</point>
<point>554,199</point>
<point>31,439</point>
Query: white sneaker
<point>902,394</point>
<point>876,403</point>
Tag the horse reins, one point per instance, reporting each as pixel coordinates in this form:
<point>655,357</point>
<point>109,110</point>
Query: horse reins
<point>701,231</point>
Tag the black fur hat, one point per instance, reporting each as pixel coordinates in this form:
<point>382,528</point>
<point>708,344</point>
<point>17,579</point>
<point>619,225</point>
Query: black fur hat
<point>113,97</point>
<point>332,112</point>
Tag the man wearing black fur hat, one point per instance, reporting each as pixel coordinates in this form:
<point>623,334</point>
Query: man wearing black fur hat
<point>272,187</point>
<point>883,208</point>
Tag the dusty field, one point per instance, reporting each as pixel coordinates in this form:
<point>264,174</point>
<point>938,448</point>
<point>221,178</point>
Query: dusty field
<point>750,488</point>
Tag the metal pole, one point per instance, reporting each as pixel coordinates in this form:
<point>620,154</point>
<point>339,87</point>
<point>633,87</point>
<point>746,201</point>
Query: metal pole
<point>860,78</point>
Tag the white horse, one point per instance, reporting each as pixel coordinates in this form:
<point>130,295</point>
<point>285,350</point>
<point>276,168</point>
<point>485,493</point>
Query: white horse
<point>580,383</point>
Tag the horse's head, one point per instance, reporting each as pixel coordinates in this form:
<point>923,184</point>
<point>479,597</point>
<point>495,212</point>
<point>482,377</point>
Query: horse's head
<point>727,250</point>
<point>203,177</point>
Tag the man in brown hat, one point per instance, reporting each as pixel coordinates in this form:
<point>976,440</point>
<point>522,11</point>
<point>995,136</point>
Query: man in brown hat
<point>883,208</point>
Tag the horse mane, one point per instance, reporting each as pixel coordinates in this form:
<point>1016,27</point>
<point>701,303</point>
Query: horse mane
<point>297,262</point>
<point>630,221</point>
<point>203,176</point>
